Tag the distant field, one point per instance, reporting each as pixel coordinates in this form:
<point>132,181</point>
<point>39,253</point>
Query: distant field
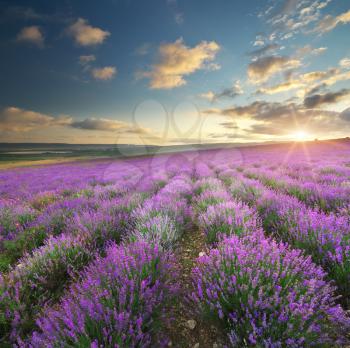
<point>17,155</point>
<point>7,164</point>
<point>246,245</point>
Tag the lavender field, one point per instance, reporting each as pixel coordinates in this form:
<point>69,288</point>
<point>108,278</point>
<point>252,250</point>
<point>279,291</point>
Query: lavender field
<point>230,247</point>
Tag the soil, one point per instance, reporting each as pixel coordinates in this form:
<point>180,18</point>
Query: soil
<point>205,334</point>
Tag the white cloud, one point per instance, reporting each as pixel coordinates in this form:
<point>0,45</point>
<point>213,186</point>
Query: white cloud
<point>86,35</point>
<point>32,34</point>
<point>345,63</point>
<point>105,73</point>
<point>259,40</point>
<point>210,95</point>
<point>177,60</point>
<point>329,22</point>
<point>306,50</point>
<point>287,18</point>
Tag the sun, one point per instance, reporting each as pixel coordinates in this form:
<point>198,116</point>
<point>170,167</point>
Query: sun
<point>300,135</point>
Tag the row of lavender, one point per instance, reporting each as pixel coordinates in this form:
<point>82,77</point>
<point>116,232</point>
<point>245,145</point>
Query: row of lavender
<point>124,295</point>
<point>118,298</point>
<point>329,193</point>
<point>263,292</point>
<point>323,236</point>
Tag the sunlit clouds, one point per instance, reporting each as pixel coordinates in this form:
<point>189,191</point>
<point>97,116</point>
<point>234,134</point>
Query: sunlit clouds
<point>86,35</point>
<point>263,68</point>
<point>176,60</point>
<point>329,22</point>
<point>32,34</point>
<point>106,73</point>
<point>13,119</point>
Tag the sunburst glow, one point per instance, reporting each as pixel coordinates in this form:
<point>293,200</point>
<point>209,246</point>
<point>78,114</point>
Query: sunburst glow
<point>301,135</point>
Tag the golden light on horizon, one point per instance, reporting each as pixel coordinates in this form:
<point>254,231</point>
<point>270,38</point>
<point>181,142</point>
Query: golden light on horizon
<point>301,135</point>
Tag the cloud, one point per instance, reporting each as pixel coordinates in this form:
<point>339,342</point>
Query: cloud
<point>87,59</point>
<point>210,95</point>
<point>32,34</point>
<point>17,120</point>
<point>345,115</point>
<point>22,12</point>
<point>225,135</point>
<point>259,40</point>
<point>86,35</point>
<point>338,76</point>
<point>29,14</point>
<point>309,50</point>
<point>229,125</point>
<point>290,17</point>
<point>98,124</point>
<point>345,63</point>
<point>263,50</point>
<point>263,68</point>
<point>179,18</point>
<point>177,60</point>
<point>230,92</point>
<point>257,109</point>
<point>108,125</point>
<point>319,75</point>
<point>329,22</point>
<point>106,73</point>
<point>284,118</point>
<point>282,87</point>
<point>307,80</point>
<point>14,119</point>
<point>317,100</point>
<point>178,15</point>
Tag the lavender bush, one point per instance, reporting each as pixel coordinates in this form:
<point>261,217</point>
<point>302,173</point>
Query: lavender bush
<point>325,237</point>
<point>38,279</point>
<point>118,304</point>
<point>225,219</point>
<point>268,295</point>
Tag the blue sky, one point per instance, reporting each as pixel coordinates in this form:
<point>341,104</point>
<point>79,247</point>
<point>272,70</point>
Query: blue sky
<point>174,71</point>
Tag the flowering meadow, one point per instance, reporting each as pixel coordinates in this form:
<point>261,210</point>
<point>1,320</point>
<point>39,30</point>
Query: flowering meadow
<point>89,251</point>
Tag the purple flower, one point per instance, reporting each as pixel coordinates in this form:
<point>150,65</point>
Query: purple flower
<point>119,301</point>
<point>237,283</point>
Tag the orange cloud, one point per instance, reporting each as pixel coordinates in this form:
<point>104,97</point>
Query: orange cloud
<point>106,73</point>
<point>32,34</point>
<point>86,35</point>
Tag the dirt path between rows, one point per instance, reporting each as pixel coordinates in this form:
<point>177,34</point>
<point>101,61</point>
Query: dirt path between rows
<point>181,331</point>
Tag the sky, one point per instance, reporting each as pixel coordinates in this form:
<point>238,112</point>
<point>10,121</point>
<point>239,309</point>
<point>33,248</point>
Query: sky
<point>174,71</point>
